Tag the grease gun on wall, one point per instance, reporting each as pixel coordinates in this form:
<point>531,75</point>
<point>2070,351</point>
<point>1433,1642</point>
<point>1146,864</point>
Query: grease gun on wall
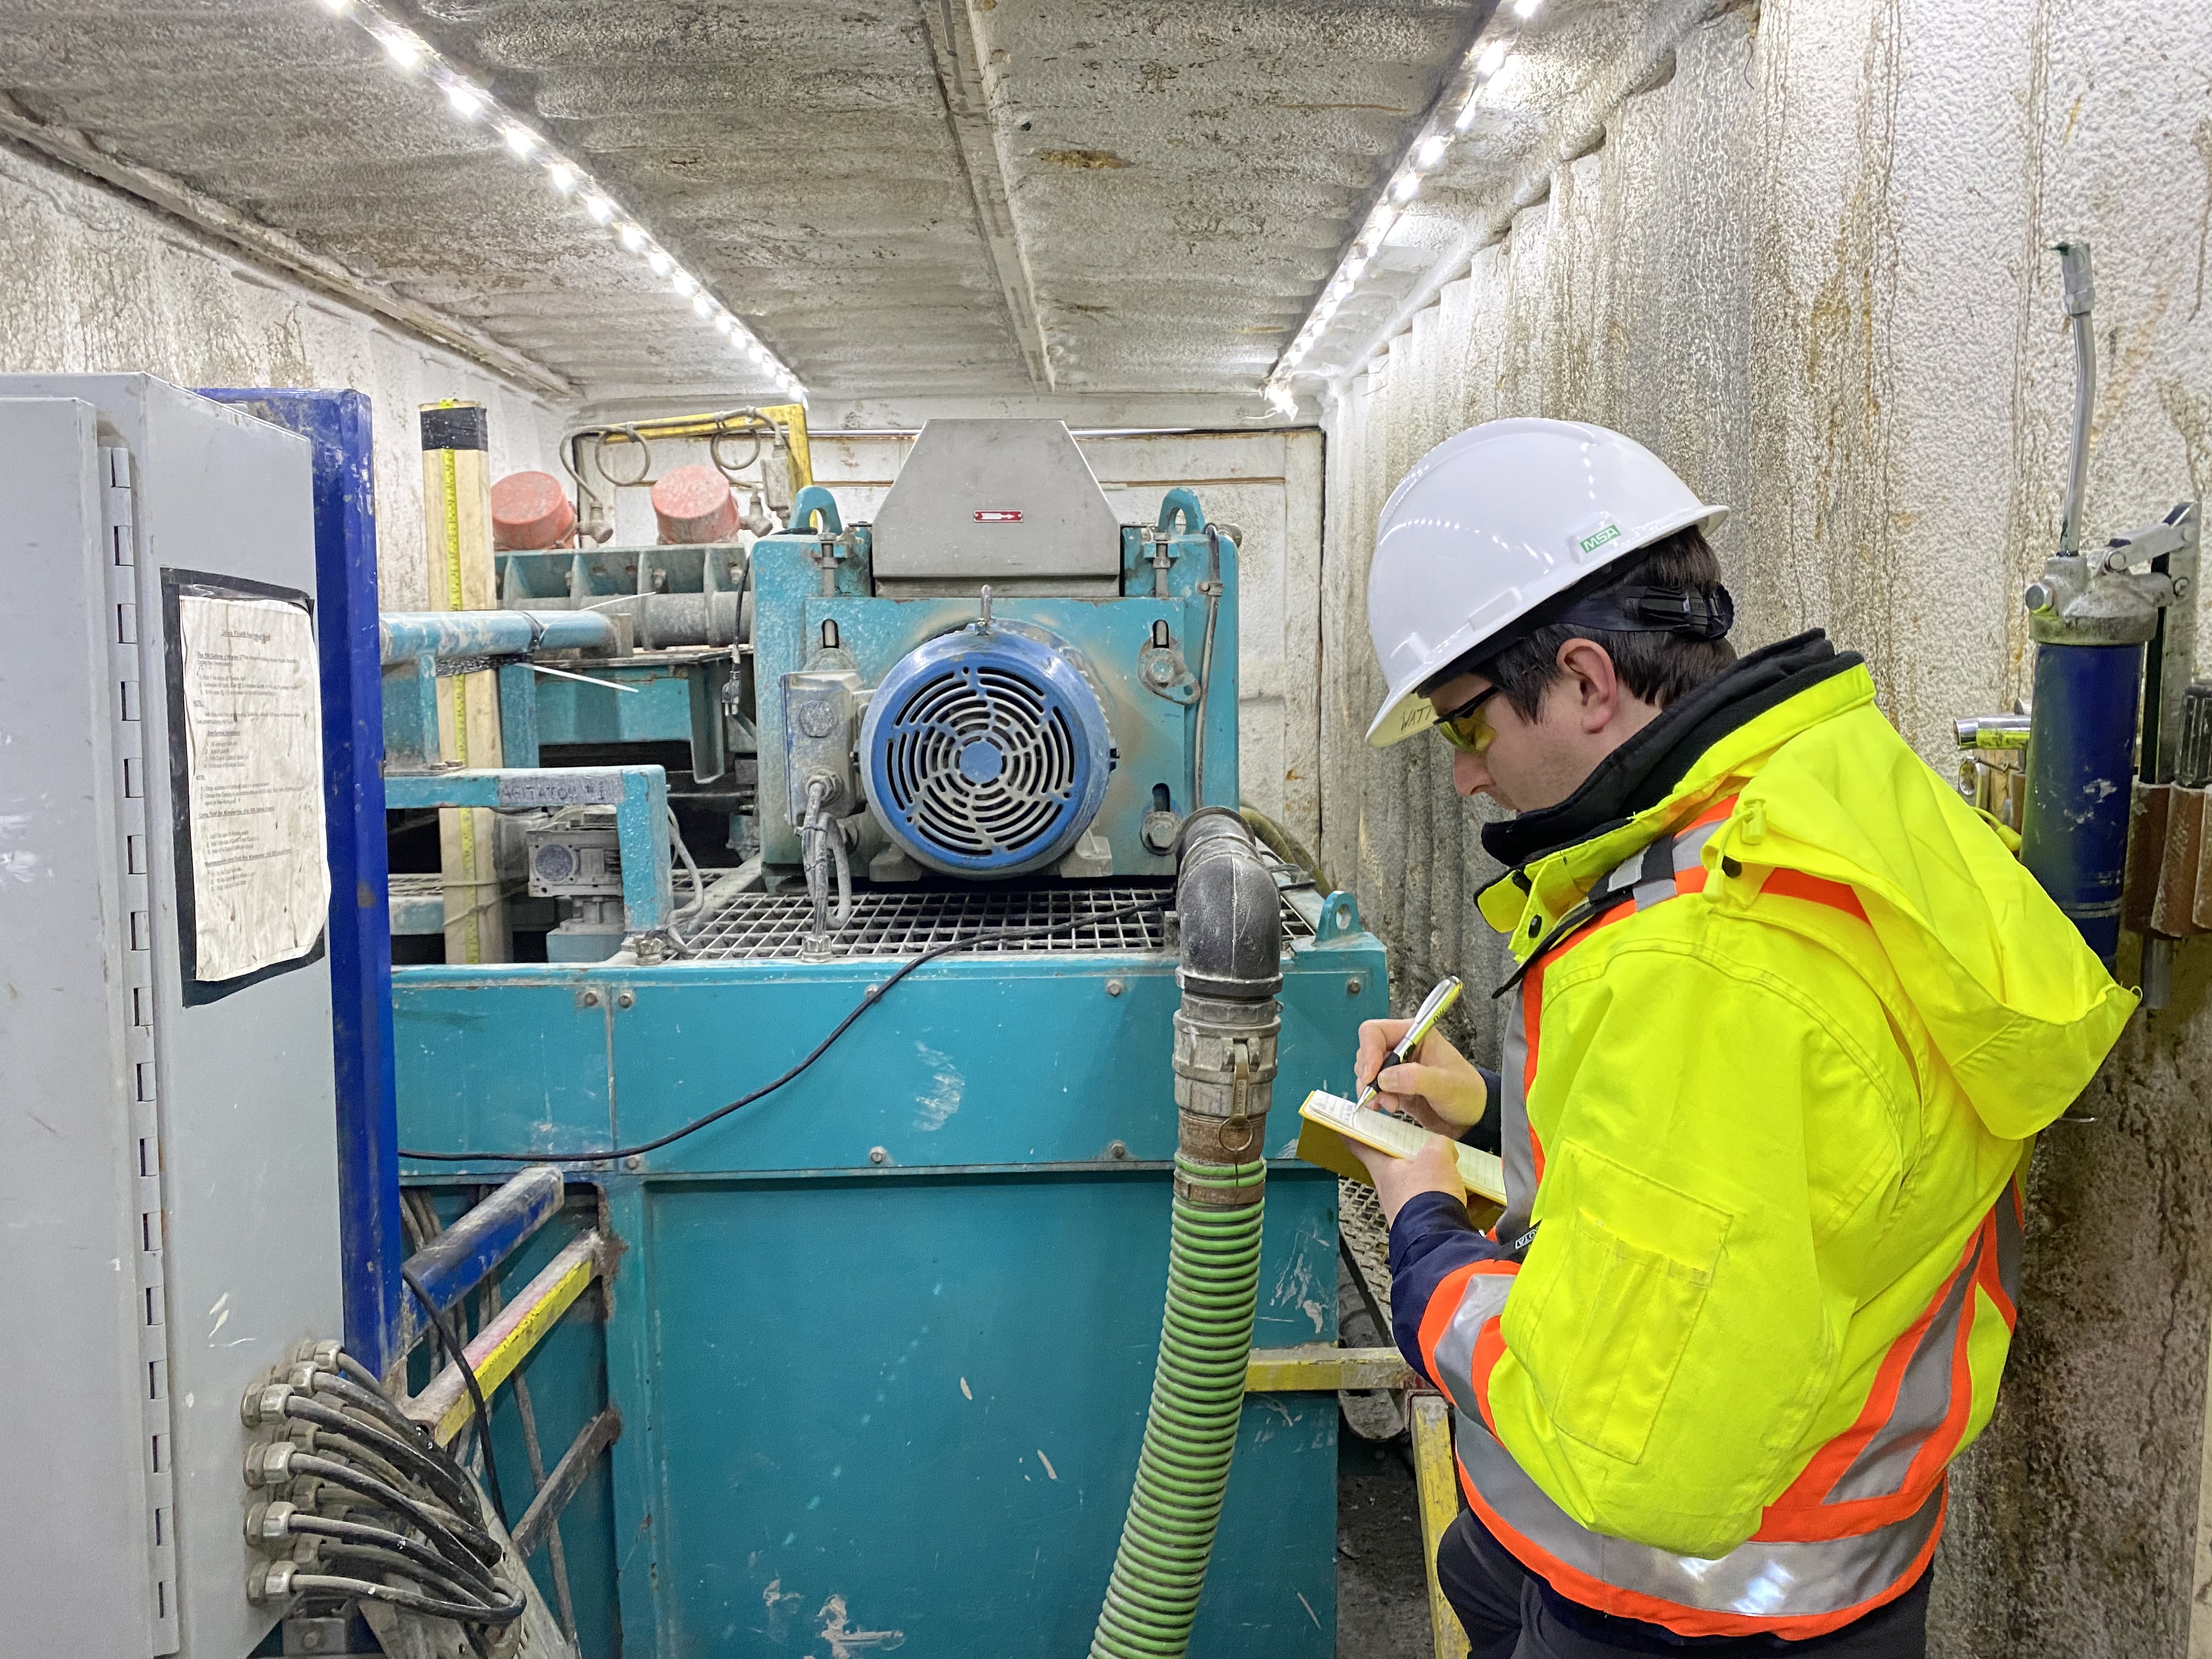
<point>2118,742</point>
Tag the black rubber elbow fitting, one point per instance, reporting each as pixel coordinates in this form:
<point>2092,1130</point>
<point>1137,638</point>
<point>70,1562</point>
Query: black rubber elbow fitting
<point>1230,967</point>
<point>1227,911</point>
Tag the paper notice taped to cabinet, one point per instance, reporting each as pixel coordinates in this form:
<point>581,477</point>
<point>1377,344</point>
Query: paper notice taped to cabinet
<point>254,757</point>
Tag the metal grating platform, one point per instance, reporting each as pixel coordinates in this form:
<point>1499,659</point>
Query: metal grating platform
<point>1124,918</point>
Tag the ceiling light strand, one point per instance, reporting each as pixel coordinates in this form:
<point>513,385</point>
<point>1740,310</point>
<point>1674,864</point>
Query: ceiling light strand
<point>409,54</point>
<point>1455,109</point>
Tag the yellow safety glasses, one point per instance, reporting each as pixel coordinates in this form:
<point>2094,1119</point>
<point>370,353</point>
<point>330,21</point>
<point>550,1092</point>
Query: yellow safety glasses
<point>1464,728</point>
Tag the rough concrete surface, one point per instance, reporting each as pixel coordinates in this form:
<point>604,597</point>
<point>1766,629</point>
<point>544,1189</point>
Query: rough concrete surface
<point>1810,269</point>
<point>90,281</point>
<point>1176,178</point>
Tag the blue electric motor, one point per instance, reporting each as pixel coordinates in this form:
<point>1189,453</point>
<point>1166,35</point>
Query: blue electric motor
<point>987,751</point>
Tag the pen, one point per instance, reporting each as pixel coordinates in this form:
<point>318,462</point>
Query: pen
<point>1433,1008</point>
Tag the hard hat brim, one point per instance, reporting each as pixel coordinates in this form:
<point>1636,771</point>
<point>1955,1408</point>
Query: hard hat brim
<point>1406,714</point>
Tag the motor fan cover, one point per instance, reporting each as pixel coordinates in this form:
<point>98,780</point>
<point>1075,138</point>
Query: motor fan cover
<point>988,752</point>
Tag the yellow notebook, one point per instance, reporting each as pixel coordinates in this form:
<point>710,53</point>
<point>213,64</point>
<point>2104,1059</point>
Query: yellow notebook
<point>1326,1120</point>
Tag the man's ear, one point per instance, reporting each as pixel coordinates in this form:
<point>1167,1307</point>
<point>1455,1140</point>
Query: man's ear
<point>1593,682</point>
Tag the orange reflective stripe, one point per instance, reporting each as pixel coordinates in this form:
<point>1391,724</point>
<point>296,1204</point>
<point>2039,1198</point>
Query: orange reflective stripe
<point>1438,1314</point>
<point>1473,1298</point>
<point>1795,884</point>
<point>1834,1459</point>
<point>1532,998</point>
<point>1882,1466</point>
<point>1712,814</point>
<point>1796,1589</point>
<point>1489,1349</point>
<point>2007,1228</point>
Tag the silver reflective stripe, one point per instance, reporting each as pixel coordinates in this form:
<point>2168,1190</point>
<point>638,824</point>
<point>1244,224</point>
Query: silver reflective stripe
<point>1689,849</point>
<point>1923,1399</point>
<point>2009,1243</point>
<point>1654,883</point>
<point>1754,1580</point>
<point>1482,1301</point>
<point>1514,1145</point>
<point>1648,875</point>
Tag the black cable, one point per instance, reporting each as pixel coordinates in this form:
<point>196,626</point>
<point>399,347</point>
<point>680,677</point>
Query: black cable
<point>359,1373</point>
<point>431,1580</point>
<point>319,1526</point>
<point>384,1492</point>
<point>372,1401</point>
<point>875,994</point>
<point>326,1444</point>
<point>368,1590</point>
<point>452,1344</point>
<point>388,1447</point>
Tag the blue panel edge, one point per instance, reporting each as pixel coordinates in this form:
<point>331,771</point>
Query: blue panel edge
<point>371,1240</point>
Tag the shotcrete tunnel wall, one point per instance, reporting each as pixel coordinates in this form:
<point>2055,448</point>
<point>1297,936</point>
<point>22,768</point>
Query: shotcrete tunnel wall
<point>1810,268</point>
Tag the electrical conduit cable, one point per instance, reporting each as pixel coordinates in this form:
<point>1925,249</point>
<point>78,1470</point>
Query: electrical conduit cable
<point>1226,1033</point>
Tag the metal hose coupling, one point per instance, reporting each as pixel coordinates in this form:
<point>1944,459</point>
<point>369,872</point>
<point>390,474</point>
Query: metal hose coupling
<point>1230,919</point>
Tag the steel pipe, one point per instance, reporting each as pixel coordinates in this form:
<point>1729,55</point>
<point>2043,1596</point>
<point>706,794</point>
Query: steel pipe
<point>406,636</point>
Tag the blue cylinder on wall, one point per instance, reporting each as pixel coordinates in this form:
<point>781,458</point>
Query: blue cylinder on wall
<point>2080,773</point>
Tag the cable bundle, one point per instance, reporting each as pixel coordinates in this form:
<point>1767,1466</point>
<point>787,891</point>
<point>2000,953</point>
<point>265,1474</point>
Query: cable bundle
<point>362,1503</point>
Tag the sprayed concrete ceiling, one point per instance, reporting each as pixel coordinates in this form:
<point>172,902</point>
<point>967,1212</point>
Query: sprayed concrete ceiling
<point>975,197</point>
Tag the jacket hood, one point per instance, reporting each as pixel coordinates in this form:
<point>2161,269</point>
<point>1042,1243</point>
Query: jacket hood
<point>2020,1008</point>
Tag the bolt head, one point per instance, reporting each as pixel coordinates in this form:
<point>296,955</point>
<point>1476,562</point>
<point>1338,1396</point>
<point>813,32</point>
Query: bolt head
<point>1115,988</point>
<point>626,999</point>
<point>2181,587</point>
<point>878,1154</point>
<point>2039,597</point>
<point>589,998</point>
<point>635,1161</point>
<point>1161,669</point>
<point>1352,985</point>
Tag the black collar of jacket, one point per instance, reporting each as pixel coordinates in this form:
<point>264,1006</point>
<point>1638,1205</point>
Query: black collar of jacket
<point>1639,774</point>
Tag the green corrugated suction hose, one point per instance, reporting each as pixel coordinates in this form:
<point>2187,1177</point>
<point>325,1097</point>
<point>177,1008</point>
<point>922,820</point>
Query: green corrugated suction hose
<point>1190,1432</point>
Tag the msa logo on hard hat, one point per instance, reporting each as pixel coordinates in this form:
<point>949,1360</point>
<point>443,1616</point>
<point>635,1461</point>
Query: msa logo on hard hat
<point>1598,538</point>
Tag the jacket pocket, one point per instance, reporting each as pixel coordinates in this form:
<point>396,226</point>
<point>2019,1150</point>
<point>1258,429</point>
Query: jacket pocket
<point>1630,1261</point>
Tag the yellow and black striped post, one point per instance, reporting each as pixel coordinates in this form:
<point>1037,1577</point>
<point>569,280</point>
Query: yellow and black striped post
<point>456,523</point>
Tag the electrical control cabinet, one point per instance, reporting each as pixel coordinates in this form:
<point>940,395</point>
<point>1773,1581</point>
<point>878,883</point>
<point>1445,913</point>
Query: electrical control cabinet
<point>168,1158</point>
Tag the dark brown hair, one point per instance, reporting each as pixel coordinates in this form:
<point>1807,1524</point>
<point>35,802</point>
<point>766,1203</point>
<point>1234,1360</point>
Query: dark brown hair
<point>1656,668</point>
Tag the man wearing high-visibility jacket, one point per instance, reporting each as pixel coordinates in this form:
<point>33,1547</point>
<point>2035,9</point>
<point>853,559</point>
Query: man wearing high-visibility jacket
<point>1788,1014</point>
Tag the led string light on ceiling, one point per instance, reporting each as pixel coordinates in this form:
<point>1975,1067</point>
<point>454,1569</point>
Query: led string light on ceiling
<point>1453,114</point>
<point>410,55</point>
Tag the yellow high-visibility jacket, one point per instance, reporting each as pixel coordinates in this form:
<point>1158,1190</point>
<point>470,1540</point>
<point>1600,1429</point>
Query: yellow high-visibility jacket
<point>1769,1082</point>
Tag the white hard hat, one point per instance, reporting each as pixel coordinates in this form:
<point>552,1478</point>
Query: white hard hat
<point>1490,525</point>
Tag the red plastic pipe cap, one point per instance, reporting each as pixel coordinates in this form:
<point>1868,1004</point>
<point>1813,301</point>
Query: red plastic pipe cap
<point>695,504</point>
<point>530,511</point>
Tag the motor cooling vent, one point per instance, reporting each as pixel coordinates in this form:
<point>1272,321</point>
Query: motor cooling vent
<point>987,753</point>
